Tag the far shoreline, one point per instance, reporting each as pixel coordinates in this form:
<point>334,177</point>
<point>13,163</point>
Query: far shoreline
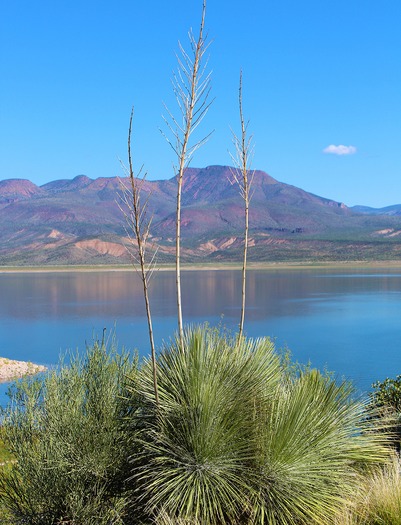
<point>288,265</point>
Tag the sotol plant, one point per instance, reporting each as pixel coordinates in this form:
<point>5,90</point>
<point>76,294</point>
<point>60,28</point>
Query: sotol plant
<point>238,439</point>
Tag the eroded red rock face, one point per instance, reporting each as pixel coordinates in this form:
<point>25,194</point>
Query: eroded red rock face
<point>79,221</point>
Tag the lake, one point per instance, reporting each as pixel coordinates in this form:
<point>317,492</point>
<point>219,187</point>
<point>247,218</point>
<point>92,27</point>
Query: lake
<point>348,321</point>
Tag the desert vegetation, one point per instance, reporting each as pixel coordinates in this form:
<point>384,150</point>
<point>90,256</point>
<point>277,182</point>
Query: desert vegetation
<point>69,436</point>
<point>240,435</point>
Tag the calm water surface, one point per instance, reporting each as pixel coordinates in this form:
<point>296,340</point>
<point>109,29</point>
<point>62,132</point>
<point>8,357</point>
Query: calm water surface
<point>347,322</point>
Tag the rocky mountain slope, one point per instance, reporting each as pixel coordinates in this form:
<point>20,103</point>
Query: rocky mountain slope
<point>79,221</point>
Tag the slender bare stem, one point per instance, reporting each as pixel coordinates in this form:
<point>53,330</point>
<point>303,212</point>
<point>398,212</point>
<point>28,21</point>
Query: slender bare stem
<point>244,180</point>
<point>191,87</point>
<point>139,226</point>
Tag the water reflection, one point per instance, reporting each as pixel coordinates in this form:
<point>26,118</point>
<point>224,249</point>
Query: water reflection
<point>349,321</point>
<point>205,293</point>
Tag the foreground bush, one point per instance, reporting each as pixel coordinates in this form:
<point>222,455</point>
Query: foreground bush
<point>239,440</point>
<point>199,450</point>
<point>386,398</point>
<point>314,440</point>
<point>70,436</point>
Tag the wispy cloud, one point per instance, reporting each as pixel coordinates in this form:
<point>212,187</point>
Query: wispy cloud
<point>340,149</point>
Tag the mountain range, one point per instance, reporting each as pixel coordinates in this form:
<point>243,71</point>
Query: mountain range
<point>80,221</point>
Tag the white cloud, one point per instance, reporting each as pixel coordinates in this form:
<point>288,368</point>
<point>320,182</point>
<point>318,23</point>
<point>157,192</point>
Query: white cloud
<point>340,149</point>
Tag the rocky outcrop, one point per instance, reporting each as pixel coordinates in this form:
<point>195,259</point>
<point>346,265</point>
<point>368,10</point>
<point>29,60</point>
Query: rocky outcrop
<point>11,369</point>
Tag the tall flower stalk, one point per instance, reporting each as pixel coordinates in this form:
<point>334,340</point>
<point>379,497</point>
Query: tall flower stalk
<point>138,231</point>
<point>191,86</point>
<point>244,178</point>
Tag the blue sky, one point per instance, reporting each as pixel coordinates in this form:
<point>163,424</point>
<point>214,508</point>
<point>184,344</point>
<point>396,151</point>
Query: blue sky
<point>316,75</point>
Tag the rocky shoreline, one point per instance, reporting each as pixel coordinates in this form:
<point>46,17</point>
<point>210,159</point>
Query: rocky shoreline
<point>11,369</point>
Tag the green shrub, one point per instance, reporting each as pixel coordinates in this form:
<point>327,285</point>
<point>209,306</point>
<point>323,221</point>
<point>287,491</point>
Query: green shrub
<point>196,452</point>
<point>312,441</point>
<point>386,400</point>
<point>71,436</point>
<point>388,394</point>
<point>237,439</point>
<point>5,455</point>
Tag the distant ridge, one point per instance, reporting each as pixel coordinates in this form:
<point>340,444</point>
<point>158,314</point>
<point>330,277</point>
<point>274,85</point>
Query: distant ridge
<point>18,189</point>
<point>77,183</point>
<point>395,209</point>
<point>78,221</point>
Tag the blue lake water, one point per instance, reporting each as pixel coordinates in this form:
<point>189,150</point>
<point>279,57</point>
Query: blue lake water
<point>347,321</point>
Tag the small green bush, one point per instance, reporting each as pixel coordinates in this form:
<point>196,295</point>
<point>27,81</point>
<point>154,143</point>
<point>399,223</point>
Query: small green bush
<point>386,400</point>
<point>387,393</point>
<point>71,434</point>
